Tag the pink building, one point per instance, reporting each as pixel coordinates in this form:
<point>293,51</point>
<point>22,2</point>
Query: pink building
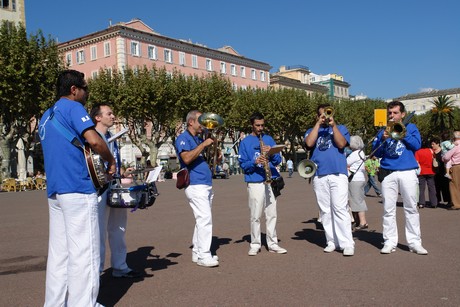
<point>134,44</point>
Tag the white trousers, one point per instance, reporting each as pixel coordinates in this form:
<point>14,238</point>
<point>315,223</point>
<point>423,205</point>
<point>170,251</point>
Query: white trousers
<point>112,222</point>
<point>72,272</point>
<point>406,183</point>
<point>261,198</point>
<point>332,196</point>
<point>200,199</point>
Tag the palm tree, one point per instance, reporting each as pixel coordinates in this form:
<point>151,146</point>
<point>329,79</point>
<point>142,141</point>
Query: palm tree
<point>442,116</point>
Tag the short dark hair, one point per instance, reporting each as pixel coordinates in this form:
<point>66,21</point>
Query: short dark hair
<point>256,116</point>
<point>321,106</point>
<point>396,103</point>
<point>67,79</point>
<point>435,139</point>
<point>96,110</point>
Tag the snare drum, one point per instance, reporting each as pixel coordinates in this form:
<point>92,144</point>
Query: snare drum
<point>132,197</point>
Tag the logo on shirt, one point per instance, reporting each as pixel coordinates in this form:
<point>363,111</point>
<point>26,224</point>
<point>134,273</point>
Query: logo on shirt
<point>182,143</point>
<point>395,148</point>
<point>324,142</point>
<point>85,119</point>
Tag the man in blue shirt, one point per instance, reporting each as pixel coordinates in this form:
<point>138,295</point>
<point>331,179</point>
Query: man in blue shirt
<point>189,149</point>
<point>327,140</point>
<point>261,197</point>
<point>72,273</point>
<point>400,167</point>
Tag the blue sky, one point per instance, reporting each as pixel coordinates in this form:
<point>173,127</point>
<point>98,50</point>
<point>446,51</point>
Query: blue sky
<point>384,49</point>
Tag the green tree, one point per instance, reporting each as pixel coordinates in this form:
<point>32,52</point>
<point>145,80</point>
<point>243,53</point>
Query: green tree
<point>442,117</point>
<point>28,70</point>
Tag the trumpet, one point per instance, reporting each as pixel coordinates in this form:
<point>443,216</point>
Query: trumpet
<point>328,112</point>
<point>211,121</point>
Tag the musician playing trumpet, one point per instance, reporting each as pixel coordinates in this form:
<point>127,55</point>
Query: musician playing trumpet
<point>259,169</point>
<point>398,174</point>
<point>327,142</point>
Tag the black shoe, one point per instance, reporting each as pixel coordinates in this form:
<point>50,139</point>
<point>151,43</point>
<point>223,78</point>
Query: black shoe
<point>130,274</point>
<point>362,227</point>
<point>421,206</point>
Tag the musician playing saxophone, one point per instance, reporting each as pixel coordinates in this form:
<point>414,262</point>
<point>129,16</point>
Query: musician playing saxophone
<point>257,167</point>
<point>327,142</point>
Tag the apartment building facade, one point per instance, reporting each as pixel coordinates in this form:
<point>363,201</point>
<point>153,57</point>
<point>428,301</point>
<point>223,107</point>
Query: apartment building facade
<point>423,102</point>
<point>300,77</point>
<point>134,44</point>
<point>296,77</point>
<point>13,11</point>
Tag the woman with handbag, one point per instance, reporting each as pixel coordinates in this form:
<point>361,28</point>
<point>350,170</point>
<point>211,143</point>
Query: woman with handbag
<point>357,181</point>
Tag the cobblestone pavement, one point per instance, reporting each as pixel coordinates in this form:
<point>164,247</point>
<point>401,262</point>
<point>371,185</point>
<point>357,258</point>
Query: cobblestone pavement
<point>159,245</point>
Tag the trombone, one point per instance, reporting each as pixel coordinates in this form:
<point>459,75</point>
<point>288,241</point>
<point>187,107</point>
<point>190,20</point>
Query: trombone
<point>211,121</point>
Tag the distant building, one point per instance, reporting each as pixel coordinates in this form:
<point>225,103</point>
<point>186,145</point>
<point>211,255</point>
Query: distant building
<point>422,102</point>
<point>134,44</point>
<point>300,77</point>
<point>13,11</point>
<point>296,77</point>
<point>337,87</point>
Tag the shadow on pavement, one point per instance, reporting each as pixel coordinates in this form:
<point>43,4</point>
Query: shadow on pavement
<point>111,289</point>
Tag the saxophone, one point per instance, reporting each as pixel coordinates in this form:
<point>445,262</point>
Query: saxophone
<point>268,173</point>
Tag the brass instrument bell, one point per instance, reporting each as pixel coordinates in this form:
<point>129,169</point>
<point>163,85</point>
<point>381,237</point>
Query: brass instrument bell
<point>396,130</point>
<point>328,112</point>
<point>210,120</point>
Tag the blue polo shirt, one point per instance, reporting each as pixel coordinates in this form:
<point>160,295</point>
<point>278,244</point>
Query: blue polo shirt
<point>199,170</point>
<point>328,157</point>
<point>65,165</point>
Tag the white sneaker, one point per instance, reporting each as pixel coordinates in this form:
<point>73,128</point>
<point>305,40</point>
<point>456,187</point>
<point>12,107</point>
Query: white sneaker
<point>387,249</point>
<point>253,251</point>
<point>195,258</point>
<point>418,249</point>
<point>329,248</point>
<point>348,251</point>
<point>208,262</point>
<point>275,248</point>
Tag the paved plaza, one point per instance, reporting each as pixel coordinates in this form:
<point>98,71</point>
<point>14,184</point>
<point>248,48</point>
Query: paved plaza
<point>159,240</point>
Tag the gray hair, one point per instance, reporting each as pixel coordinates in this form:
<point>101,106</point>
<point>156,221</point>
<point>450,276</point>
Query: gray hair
<point>456,134</point>
<point>191,116</point>
<point>356,142</point>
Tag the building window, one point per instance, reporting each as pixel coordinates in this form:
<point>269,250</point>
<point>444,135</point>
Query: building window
<point>168,56</point>
<point>68,59</point>
<point>80,56</point>
<point>107,49</point>
<point>223,68</point>
<point>182,58</point>
<point>13,5</point>
<point>135,49</point>
<point>262,76</point>
<point>209,64</point>
<point>194,61</point>
<point>153,52</point>
<point>243,72</point>
<point>5,4</point>
<point>233,69</point>
<point>93,50</point>
<point>94,74</point>
<point>253,74</point>
<point>234,87</point>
